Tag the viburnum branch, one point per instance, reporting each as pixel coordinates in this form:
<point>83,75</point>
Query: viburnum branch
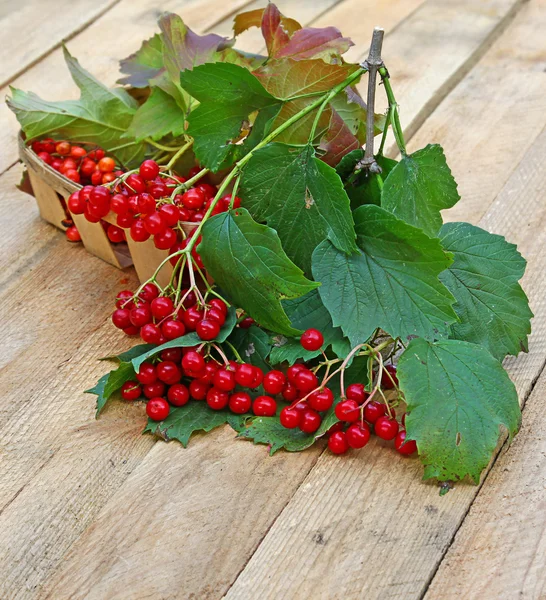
<point>372,63</point>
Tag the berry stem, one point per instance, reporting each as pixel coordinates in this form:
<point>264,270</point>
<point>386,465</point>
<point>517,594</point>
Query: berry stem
<point>393,111</point>
<point>179,153</point>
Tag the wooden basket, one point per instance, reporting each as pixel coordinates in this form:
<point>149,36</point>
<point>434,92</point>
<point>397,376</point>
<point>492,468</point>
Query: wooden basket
<point>52,190</point>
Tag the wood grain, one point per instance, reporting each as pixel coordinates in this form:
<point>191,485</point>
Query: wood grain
<point>500,550</point>
<point>30,29</point>
<point>349,513</point>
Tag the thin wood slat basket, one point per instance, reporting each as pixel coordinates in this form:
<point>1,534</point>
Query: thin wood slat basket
<point>52,190</point>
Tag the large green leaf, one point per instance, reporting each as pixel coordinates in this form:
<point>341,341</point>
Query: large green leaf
<point>101,115</point>
<point>228,94</point>
<point>419,187</point>
<point>392,283</point>
<point>458,396</point>
<point>194,416</point>
<point>492,308</point>
<point>144,64</point>
<point>301,197</point>
<point>247,261</point>
<point>304,313</point>
<point>159,116</point>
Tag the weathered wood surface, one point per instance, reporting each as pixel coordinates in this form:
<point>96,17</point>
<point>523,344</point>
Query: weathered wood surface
<point>93,509</point>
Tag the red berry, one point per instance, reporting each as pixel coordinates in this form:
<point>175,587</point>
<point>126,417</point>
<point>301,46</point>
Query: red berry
<point>191,317</point>
<point>348,411</point>
<point>145,203</point>
<point>290,417</point>
<point>386,428</point>
<point>130,390</point>
<point>274,382</point>
<point>207,329</point>
<point>135,184</point>
<point>173,329</point>
<point>168,372</point>
<point>247,323</point>
<point>149,169</point>
<point>106,164</point>
<point>306,380</point>
<point>158,409</point>
<point>121,318</point>
<point>312,339</point>
<point>240,403</point>
<point>321,399</point>
<point>194,198</point>
<point>224,380</point>
<point>124,299</point>
<point>151,334</point>
<point>213,314</point>
<point>289,392</point>
<point>310,421</point>
<point>199,389</point>
<point>358,435</point>
<point>373,411</point>
<point>193,362</point>
<point>170,214</point>
<point>119,204</point>
<point>257,378</point>
<point>138,231</point>
<point>149,292</point>
<point>293,371</point>
<point>147,373</point>
<point>115,234</point>
<point>244,375</point>
<point>63,148</point>
<point>178,394</point>
<point>356,392</point>
<point>389,378</point>
<point>337,442</point>
<point>209,372</point>
<point>172,354</point>
<point>159,190</point>
<point>165,240</point>
<point>264,406</point>
<point>154,223</point>
<point>217,399</point>
<point>152,390</point>
<point>404,447</point>
<point>162,307</point>
<point>76,204</point>
<point>219,305</point>
<point>73,235</point>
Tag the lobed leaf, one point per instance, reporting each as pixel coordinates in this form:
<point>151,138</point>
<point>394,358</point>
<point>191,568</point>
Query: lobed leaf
<point>392,283</point>
<point>301,197</point>
<point>492,307</point>
<point>247,261</point>
<point>158,117</point>
<point>419,187</point>
<point>458,397</point>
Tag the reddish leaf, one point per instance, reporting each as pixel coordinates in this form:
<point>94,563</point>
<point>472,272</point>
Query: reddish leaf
<point>338,141</point>
<point>253,18</point>
<point>144,64</point>
<point>326,43</point>
<point>275,35</point>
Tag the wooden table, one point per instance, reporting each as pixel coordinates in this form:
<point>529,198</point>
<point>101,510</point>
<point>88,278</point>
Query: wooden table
<point>93,509</point>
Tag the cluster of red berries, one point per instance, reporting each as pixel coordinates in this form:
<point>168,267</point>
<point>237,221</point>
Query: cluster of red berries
<point>76,163</point>
<point>205,380</point>
<point>157,320</point>
<point>356,423</point>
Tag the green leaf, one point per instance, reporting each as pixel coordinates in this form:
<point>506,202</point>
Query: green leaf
<point>268,430</point>
<point>159,116</point>
<point>194,416</point>
<point>188,340</point>
<point>391,284</point>
<point>248,262</point>
<point>299,196</point>
<point>131,353</point>
<point>253,345</point>
<point>419,187</point>
<point>110,383</point>
<point>228,94</point>
<point>101,115</point>
<point>144,64</point>
<point>492,308</point>
<point>304,313</point>
<point>458,396</point>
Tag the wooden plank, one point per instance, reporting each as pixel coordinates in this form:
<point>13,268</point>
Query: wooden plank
<point>51,79</point>
<point>30,29</point>
<point>500,550</point>
<point>350,512</point>
<point>493,116</point>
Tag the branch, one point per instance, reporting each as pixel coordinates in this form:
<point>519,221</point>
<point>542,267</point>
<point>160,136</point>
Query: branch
<point>372,64</point>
